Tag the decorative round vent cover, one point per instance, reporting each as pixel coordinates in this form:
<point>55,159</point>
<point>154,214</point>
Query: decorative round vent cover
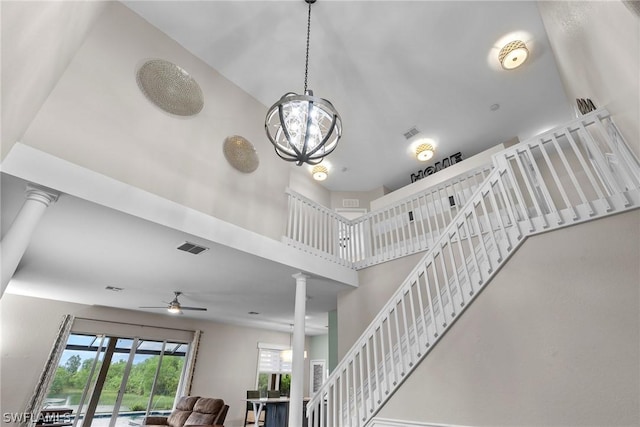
<point>240,154</point>
<point>170,87</point>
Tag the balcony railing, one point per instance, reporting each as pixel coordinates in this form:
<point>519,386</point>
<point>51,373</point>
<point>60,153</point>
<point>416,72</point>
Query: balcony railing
<point>409,226</point>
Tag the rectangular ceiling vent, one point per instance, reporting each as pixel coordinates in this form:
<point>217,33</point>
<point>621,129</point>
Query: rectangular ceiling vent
<point>192,248</point>
<point>350,203</point>
<point>411,133</point>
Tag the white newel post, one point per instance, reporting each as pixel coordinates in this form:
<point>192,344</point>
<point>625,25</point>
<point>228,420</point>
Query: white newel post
<point>17,238</point>
<point>297,367</point>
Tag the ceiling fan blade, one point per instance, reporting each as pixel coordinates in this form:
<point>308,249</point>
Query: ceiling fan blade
<point>193,308</point>
<point>154,307</point>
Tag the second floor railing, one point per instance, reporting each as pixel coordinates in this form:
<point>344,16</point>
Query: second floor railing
<point>408,226</point>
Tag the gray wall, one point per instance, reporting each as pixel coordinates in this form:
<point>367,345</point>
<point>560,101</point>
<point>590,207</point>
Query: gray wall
<point>554,339</point>
<point>227,357</point>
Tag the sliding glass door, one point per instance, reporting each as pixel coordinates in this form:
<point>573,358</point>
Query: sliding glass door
<point>113,381</point>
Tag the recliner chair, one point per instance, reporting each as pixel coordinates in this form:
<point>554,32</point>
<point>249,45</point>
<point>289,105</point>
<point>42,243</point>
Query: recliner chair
<point>192,410</point>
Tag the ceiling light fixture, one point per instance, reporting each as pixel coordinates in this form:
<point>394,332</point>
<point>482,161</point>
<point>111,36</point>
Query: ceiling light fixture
<point>424,152</point>
<point>319,172</point>
<point>513,54</point>
<point>174,309</point>
<point>303,128</point>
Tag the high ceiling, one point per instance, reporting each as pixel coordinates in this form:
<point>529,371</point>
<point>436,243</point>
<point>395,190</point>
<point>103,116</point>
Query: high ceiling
<point>387,66</point>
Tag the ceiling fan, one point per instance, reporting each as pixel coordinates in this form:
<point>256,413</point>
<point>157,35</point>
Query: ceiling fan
<point>174,306</point>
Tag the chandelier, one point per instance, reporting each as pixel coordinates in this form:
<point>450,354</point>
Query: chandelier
<point>303,128</point>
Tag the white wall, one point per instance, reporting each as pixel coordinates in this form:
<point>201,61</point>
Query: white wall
<point>27,80</point>
<point>596,45</point>
<point>135,142</point>
<point>364,197</point>
<point>554,339</point>
<point>227,358</point>
<point>301,182</point>
<point>358,307</point>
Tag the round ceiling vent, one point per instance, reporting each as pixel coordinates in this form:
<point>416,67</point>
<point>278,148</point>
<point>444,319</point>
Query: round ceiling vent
<point>240,154</point>
<point>170,87</point>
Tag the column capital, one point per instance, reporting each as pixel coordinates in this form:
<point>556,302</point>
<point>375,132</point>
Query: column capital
<point>41,194</point>
<point>300,276</point>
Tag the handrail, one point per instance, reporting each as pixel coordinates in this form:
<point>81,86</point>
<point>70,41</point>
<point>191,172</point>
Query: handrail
<point>570,174</point>
<point>405,227</point>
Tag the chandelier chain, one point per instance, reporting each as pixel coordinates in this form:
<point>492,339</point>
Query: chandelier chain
<point>306,60</point>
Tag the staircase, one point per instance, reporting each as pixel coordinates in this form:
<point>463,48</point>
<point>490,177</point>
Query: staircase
<point>575,173</point>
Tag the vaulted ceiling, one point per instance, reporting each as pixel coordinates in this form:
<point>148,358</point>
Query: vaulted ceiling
<point>387,66</point>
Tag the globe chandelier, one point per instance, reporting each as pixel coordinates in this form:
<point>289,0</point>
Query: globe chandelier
<point>303,128</point>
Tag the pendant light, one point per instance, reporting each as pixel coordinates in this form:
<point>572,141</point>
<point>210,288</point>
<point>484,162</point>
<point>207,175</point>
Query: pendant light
<point>303,128</point>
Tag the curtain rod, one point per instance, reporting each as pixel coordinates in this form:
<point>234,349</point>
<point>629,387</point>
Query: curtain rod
<point>135,324</point>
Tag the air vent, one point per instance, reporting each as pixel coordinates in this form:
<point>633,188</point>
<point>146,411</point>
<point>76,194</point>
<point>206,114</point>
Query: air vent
<point>192,248</point>
<point>411,133</point>
<point>350,203</point>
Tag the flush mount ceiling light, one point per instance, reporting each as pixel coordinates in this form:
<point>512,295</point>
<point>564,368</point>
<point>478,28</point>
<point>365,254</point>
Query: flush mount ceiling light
<point>513,54</point>
<point>170,87</point>
<point>303,128</point>
<point>319,172</point>
<point>424,152</point>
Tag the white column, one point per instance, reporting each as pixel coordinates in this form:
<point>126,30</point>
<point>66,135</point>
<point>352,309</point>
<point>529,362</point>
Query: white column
<point>15,241</point>
<point>296,392</point>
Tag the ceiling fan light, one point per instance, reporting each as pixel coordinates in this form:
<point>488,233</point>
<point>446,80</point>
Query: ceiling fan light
<point>174,309</point>
<point>513,54</point>
<point>424,152</point>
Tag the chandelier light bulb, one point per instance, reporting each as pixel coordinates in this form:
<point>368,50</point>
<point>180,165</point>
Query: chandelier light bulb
<point>303,128</point>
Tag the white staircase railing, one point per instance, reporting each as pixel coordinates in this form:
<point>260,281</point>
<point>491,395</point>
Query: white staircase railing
<point>382,422</point>
<point>571,174</point>
<point>408,226</point>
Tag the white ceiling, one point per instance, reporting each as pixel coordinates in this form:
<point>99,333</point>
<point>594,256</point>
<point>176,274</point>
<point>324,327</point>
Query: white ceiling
<point>386,65</point>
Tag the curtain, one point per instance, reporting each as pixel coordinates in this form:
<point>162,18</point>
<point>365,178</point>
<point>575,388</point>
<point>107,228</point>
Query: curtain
<point>190,366</point>
<point>35,403</point>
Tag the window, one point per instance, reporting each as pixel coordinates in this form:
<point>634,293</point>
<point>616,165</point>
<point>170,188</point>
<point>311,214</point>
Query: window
<point>274,368</point>
<point>102,376</point>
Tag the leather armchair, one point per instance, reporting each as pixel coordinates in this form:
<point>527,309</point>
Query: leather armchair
<point>192,411</point>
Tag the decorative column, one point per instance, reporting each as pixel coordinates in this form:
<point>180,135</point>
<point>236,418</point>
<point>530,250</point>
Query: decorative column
<point>296,392</point>
<point>15,241</point>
